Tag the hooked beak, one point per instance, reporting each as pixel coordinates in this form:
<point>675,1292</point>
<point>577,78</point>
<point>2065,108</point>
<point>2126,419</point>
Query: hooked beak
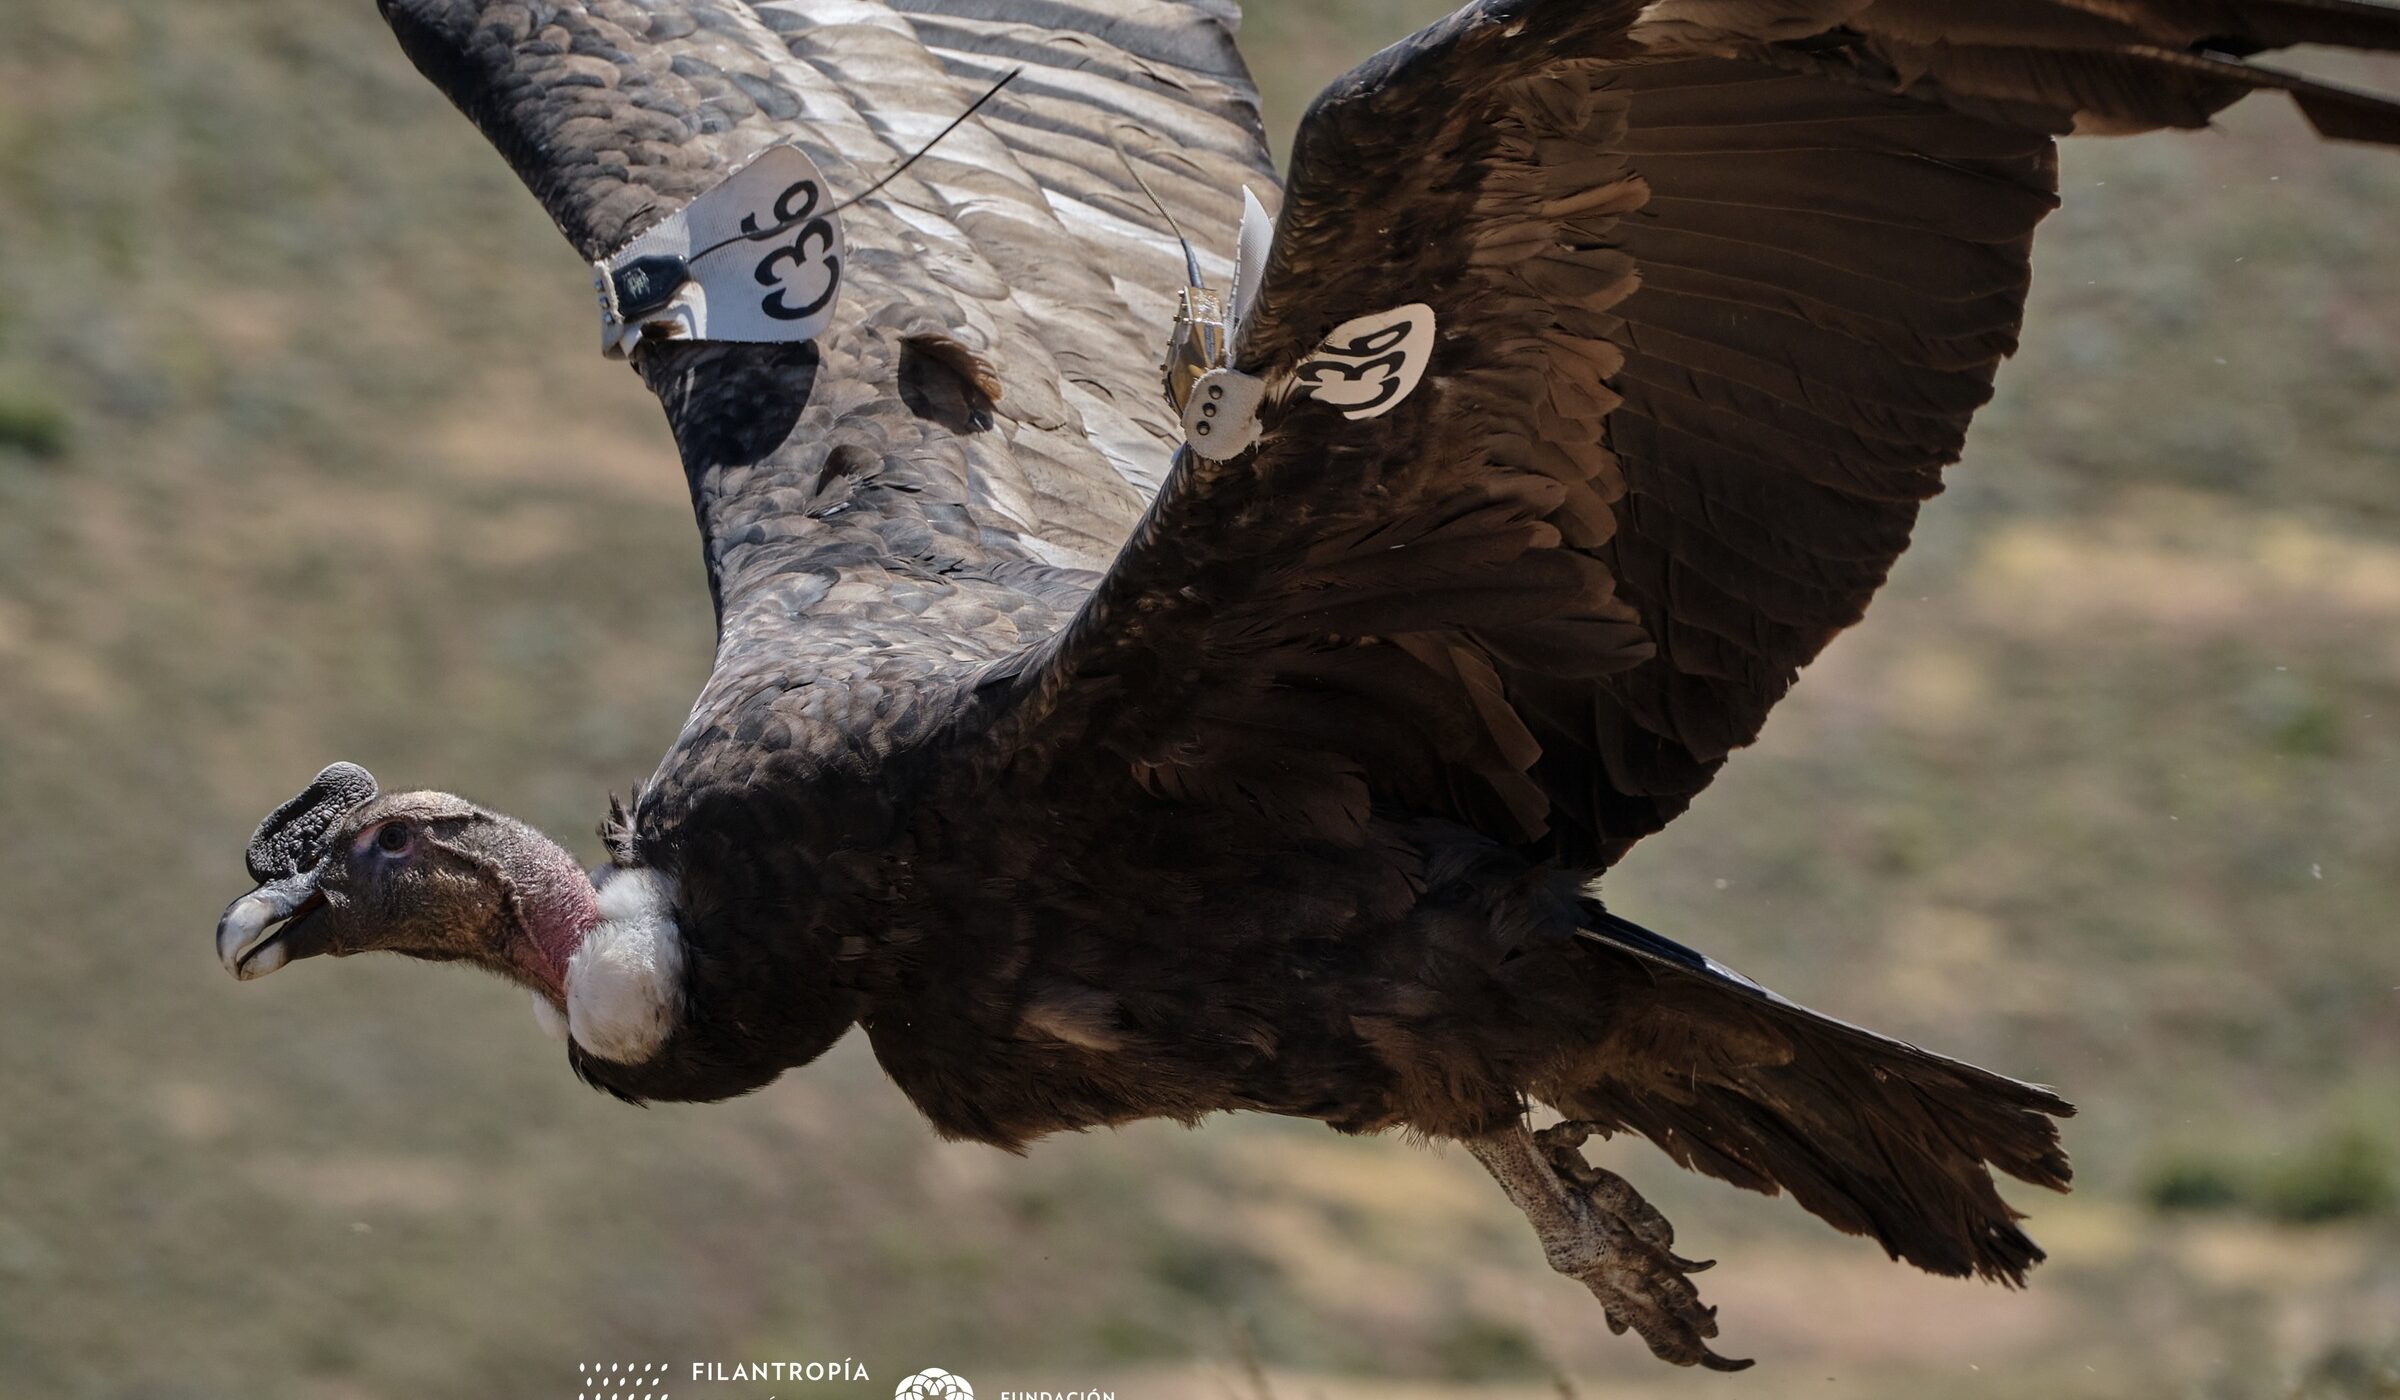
<point>258,933</point>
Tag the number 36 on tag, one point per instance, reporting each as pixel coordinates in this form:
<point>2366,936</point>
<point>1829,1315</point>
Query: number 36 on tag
<point>1367,367</point>
<point>766,256</point>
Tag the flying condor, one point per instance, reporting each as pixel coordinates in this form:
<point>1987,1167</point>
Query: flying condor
<point>1106,756</point>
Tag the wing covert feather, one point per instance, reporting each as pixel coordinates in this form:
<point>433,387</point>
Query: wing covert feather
<point>1720,284</point>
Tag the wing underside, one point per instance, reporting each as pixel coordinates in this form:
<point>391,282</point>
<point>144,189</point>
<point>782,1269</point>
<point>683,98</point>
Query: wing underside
<point>927,486</point>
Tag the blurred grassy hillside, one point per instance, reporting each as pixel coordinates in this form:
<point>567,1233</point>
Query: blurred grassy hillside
<point>305,453</point>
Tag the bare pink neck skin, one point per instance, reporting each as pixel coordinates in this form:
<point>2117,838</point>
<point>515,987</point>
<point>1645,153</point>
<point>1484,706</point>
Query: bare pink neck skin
<point>559,909</point>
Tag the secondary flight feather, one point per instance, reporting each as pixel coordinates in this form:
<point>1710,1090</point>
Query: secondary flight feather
<point>1602,356</point>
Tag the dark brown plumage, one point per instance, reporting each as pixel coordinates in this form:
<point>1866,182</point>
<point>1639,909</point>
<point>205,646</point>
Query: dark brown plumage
<point>1294,804</point>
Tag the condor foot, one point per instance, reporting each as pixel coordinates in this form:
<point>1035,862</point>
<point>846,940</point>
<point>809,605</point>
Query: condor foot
<point>1596,1229</point>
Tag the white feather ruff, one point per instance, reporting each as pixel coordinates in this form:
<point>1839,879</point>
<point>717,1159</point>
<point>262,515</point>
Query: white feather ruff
<point>624,983</point>
<point>548,1018</point>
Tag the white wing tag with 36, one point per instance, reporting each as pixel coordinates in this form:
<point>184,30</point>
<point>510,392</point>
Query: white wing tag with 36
<point>757,258</point>
<point>1367,367</point>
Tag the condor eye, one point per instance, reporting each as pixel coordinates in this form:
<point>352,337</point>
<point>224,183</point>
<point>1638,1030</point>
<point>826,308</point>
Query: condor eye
<point>393,838</point>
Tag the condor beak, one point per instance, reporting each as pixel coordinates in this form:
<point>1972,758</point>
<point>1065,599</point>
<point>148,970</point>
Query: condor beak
<point>256,936</point>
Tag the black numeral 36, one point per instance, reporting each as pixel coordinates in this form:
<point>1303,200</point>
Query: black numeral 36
<point>811,246</point>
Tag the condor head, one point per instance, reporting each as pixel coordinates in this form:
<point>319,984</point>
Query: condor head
<point>342,869</point>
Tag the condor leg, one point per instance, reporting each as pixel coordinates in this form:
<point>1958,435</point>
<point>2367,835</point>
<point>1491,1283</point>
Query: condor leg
<point>1597,1229</point>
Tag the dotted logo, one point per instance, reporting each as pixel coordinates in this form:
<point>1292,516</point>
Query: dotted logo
<point>934,1383</point>
<point>621,1380</point>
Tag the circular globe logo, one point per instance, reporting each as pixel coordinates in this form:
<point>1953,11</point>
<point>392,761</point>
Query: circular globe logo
<point>934,1383</point>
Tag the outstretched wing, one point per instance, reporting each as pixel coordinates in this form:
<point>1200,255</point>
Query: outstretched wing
<point>1703,295</point>
<point>931,481</point>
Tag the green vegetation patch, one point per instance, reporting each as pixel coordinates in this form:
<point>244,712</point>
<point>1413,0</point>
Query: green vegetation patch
<point>33,424</point>
<point>2342,1176</point>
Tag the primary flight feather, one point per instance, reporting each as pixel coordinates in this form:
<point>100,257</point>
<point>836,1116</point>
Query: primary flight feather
<point>1602,356</point>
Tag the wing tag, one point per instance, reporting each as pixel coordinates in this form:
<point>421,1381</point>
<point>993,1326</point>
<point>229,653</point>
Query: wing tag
<point>1367,367</point>
<point>757,258</point>
<point>1220,420</point>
